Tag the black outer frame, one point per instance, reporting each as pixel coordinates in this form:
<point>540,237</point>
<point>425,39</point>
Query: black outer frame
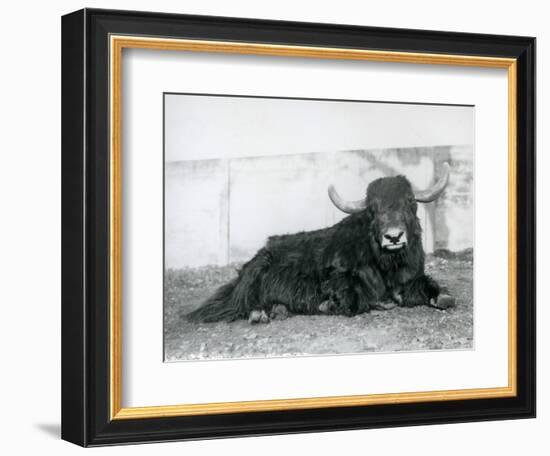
<point>85,227</point>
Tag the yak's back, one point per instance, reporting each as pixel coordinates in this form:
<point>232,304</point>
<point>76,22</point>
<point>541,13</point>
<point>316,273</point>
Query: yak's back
<point>319,248</point>
<point>305,247</point>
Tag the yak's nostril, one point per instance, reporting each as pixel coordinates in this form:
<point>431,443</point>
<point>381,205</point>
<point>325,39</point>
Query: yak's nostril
<point>394,239</point>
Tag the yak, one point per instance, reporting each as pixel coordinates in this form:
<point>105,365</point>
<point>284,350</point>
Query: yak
<point>371,257</point>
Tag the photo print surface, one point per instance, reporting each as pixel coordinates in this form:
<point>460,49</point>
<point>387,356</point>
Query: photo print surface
<point>300,227</point>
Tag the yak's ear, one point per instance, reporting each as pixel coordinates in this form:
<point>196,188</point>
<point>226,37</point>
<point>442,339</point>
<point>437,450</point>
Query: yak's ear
<point>412,201</point>
<point>372,208</point>
<point>431,194</point>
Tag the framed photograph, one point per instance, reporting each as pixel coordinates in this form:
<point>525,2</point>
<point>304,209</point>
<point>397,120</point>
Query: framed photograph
<point>277,227</point>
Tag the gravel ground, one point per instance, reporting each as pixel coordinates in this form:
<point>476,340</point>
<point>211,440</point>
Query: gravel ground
<point>399,329</point>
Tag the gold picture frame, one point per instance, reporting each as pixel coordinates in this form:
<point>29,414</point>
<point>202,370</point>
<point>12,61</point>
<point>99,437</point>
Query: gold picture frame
<point>117,45</point>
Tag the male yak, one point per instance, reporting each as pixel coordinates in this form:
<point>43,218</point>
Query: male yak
<point>373,256</point>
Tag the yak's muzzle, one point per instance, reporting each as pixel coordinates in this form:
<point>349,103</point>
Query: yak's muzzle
<point>394,239</point>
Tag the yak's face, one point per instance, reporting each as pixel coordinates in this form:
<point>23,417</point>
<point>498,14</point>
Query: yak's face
<point>392,206</point>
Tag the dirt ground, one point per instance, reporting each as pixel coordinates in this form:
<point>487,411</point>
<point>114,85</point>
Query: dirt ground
<point>399,329</point>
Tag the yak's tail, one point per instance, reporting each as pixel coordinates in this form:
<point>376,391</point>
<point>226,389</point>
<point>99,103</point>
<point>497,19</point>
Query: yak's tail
<point>218,307</point>
<point>235,299</point>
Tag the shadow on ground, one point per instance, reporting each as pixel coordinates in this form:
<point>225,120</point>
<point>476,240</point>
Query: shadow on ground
<point>399,329</point>
<point>51,429</point>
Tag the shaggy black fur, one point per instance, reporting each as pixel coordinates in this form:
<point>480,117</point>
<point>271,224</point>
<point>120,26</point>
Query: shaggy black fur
<point>344,265</point>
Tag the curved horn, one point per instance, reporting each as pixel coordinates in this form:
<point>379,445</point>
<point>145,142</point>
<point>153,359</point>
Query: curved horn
<point>431,194</point>
<point>349,207</point>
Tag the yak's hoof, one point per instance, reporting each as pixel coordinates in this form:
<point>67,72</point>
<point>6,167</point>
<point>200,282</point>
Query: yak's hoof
<point>443,302</point>
<point>264,318</point>
<point>257,316</point>
<point>254,317</point>
<point>279,312</point>
<point>325,307</point>
<point>397,298</point>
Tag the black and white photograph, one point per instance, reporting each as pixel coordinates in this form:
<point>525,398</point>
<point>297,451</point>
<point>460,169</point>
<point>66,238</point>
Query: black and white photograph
<point>298,227</point>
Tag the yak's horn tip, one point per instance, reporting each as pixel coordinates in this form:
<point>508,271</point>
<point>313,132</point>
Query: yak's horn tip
<point>427,196</point>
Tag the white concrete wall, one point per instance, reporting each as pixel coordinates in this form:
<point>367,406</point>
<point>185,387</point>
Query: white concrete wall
<point>196,213</point>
